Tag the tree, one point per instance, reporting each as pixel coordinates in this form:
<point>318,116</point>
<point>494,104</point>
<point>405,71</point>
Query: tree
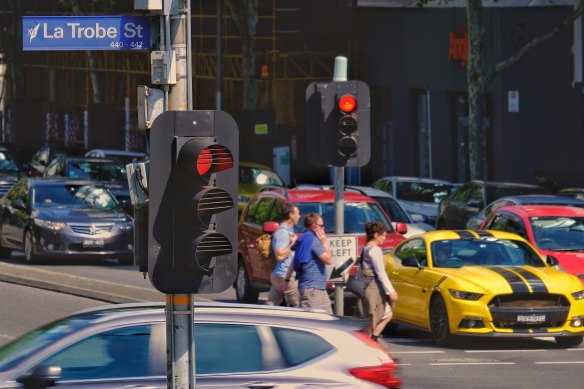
<point>480,75</point>
<point>245,15</point>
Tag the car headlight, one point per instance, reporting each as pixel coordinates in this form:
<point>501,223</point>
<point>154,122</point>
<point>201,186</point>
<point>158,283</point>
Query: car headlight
<point>459,294</point>
<point>578,295</point>
<point>49,224</point>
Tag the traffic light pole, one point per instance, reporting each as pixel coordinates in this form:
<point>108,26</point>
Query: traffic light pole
<point>180,339</point>
<point>340,74</point>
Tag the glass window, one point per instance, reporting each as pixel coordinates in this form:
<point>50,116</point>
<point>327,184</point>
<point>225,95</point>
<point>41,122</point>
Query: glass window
<point>355,214</point>
<point>78,196</point>
<point>393,209</point>
<point>277,214</point>
<point>263,210</point>
<point>416,248</point>
<point>257,176</point>
<point>253,205</point>
<point>565,233</point>
<point>122,352</point>
<point>300,346</point>
<point>100,171</point>
<point>224,348</point>
<point>425,192</point>
<point>7,163</point>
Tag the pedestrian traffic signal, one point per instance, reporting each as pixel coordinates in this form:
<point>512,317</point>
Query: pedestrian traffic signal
<point>193,212</point>
<point>338,123</point>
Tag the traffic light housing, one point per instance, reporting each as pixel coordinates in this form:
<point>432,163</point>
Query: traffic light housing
<point>338,123</point>
<point>192,243</point>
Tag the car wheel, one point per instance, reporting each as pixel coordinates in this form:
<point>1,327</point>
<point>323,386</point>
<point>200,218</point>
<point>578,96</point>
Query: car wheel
<point>439,324</point>
<point>244,291</point>
<point>29,255</point>
<point>569,341</point>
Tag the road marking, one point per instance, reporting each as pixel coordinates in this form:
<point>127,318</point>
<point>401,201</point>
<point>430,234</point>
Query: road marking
<point>469,363</point>
<point>498,351</point>
<point>559,363</point>
<point>418,352</point>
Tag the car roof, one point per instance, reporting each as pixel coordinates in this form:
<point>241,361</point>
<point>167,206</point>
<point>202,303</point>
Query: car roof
<point>466,234</point>
<point>50,181</point>
<point>314,195</point>
<point>416,179</point>
<point>542,210</point>
<point>89,159</point>
<point>115,152</point>
<point>543,199</point>
<point>507,184</point>
<point>369,191</point>
<point>220,311</point>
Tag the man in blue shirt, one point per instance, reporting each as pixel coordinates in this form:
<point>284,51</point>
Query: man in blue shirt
<point>312,254</point>
<point>282,241</point>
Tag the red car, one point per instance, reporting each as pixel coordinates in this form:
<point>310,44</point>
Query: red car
<point>554,230</point>
<point>266,206</point>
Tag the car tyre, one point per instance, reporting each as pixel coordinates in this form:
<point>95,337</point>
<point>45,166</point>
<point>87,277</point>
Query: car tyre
<point>29,254</point>
<point>569,341</point>
<point>439,324</point>
<point>244,291</point>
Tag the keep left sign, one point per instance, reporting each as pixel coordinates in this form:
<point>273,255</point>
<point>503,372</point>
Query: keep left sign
<point>85,33</point>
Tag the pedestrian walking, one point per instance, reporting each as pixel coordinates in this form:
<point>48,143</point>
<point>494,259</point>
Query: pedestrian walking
<point>282,241</point>
<point>376,303</point>
<point>311,255</point>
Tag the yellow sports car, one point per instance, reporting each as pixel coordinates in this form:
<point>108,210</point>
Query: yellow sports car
<point>486,283</point>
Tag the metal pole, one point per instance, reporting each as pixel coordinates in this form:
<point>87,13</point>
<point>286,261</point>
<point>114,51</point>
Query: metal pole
<point>429,128</point>
<point>219,57</point>
<point>180,339</point>
<point>340,74</point>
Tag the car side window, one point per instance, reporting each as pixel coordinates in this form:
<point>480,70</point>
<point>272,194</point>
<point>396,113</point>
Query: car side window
<point>414,247</point>
<point>253,205</point>
<point>299,346</point>
<point>121,352</point>
<point>263,211</point>
<point>476,194</point>
<point>277,214</point>
<point>228,348</point>
<point>55,168</point>
<point>517,227</point>
<point>498,222</point>
<point>462,194</point>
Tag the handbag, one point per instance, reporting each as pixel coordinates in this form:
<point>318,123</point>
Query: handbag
<point>359,282</point>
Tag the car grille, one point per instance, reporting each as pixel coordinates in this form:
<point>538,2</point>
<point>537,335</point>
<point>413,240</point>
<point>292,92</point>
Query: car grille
<point>551,310</point>
<point>91,229</point>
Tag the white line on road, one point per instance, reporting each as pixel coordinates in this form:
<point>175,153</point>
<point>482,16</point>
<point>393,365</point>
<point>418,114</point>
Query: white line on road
<point>498,351</point>
<point>418,352</point>
<point>469,363</point>
<point>559,363</point>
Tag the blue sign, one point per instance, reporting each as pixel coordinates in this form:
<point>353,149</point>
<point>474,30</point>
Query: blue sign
<point>85,33</point>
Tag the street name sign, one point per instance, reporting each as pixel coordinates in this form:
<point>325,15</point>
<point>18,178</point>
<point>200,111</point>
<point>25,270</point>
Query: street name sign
<point>85,33</point>
<point>344,254</point>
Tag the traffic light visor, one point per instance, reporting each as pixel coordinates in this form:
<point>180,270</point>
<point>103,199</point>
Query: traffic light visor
<point>347,103</point>
<point>213,159</point>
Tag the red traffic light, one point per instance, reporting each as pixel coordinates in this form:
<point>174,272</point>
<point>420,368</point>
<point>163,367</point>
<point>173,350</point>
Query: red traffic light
<point>347,103</point>
<point>213,159</point>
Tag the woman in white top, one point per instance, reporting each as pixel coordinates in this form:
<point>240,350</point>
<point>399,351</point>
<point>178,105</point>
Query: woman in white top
<point>380,294</point>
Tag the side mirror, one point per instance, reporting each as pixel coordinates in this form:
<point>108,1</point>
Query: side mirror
<point>270,227</point>
<point>417,218</point>
<point>401,228</point>
<point>18,204</point>
<point>411,261</point>
<point>552,261</point>
<point>41,377</point>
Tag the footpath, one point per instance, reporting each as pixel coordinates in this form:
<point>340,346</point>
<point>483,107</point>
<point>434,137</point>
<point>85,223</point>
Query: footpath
<point>100,290</point>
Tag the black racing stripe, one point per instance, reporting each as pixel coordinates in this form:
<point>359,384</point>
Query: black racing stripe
<point>464,234</point>
<point>484,234</point>
<point>536,283</point>
<point>517,284</point>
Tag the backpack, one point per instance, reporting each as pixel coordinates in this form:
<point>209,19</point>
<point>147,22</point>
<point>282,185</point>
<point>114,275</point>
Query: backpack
<point>266,254</point>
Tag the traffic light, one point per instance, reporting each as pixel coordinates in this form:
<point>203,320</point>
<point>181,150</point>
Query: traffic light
<point>338,123</point>
<point>193,209</point>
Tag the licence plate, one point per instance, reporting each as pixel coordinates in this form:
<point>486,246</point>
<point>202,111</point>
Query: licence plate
<point>93,243</point>
<point>531,318</point>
